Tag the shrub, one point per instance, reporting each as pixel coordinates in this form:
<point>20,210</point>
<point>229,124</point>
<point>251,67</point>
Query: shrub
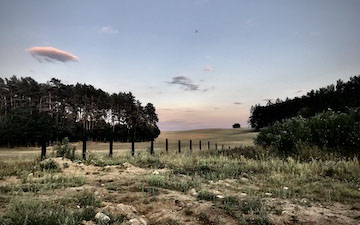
<point>65,150</point>
<point>331,131</point>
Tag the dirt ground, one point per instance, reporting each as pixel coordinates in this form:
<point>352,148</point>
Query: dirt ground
<point>117,187</point>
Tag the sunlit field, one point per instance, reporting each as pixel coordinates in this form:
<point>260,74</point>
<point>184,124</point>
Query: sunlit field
<point>227,137</point>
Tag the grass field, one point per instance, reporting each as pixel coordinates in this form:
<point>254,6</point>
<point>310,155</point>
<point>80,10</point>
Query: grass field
<point>235,186</point>
<point>227,137</point>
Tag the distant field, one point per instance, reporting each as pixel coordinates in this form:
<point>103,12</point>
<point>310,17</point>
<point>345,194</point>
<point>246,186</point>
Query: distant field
<point>226,137</point>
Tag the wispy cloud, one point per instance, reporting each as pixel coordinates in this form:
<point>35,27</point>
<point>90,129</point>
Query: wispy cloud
<point>50,54</point>
<point>238,103</point>
<point>208,89</point>
<point>299,91</point>
<point>208,68</point>
<point>184,82</point>
<point>109,30</point>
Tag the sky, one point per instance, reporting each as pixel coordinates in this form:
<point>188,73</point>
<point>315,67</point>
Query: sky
<point>202,63</point>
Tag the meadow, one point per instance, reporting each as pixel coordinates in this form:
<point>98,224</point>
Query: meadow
<point>244,185</point>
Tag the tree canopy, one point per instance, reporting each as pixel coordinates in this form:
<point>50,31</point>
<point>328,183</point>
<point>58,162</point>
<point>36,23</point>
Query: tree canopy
<point>32,111</point>
<point>339,97</point>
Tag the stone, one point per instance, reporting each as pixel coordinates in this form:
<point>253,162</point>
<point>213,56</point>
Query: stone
<point>242,194</point>
<point>102,218</point>
<point>84,222</point>
<point>137,221</point>
<point>156,172</point>
<point>220,196</point>
<point>268,194</point>
<point>193,192</point>
<point>244,180</point>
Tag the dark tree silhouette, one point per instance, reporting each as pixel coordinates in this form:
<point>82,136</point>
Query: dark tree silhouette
<point>33,114</point>
<point>339,97</point>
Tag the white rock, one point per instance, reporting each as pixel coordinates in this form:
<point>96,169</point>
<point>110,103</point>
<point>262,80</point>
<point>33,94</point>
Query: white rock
<point>227,185</point>
<point>286,188</point>
<point>102,185</point>
<point>220,196</point>
<point>268,194</point>
<point>156,172</point>
<point>242,194</point>
<point>244,180</point>
<point>102,218</point>
<point>193,192</point>
<point>136,221</point>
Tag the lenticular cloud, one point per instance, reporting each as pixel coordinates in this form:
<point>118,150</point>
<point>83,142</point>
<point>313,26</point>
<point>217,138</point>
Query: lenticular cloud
<point>50,54</point>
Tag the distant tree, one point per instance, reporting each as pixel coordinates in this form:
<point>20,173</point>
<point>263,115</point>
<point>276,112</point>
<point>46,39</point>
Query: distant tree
<point>236,125</point>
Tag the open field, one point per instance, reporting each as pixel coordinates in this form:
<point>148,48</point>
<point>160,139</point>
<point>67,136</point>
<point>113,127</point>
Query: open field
<point>207,187</point>
<point>228,137</point>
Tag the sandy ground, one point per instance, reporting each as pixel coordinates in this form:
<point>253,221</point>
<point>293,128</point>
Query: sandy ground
<point>117,187</point>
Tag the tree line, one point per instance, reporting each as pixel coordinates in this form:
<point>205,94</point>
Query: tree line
<point>339,97</point>
<point>33,114</point>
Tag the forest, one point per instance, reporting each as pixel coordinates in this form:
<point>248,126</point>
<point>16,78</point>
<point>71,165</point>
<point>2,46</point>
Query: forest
<point>33,113</point>
<point>338,98</point>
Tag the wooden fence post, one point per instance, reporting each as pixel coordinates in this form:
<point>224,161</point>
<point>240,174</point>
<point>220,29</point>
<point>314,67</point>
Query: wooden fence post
<point>222,147</point>
<point>200,145</point>
<point>111,146</point>
<point>179,146</point>
<point>43,148</point>
<point>190,145</point>
<point>216,146</point>
<point>208,145</point>
<point>84,147</point>
<point>132,147</point>
<point>152,148</point>
<point>167,145</point>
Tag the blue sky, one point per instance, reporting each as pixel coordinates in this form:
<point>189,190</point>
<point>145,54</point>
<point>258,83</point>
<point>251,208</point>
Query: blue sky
<point>193,59</point>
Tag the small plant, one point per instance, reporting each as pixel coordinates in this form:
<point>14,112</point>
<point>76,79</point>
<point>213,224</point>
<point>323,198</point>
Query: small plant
<point>65,150</point>
<point>50,165</point>
<point>205,195</point>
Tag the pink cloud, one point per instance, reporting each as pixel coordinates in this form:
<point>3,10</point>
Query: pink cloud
<point>50,54</point>
<point>208,68</point>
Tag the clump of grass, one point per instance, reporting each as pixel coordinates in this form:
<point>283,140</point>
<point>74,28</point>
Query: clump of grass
<point>249,210</point>
<point>172,182</point>
<point>48,183</point>
<point>150,190</point>
<point>17,167</point>
<point>36,212</point>
<point>50,165</point>
<point>65,150</point>
<point>206,195</point>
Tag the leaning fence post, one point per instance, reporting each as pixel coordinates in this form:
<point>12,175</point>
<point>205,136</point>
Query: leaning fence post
<point>200,145</point>
<point>167,145</point>
<point>132,147</point>
<point>190,145</point>
<point>152,147</point>
<point>179,146</point>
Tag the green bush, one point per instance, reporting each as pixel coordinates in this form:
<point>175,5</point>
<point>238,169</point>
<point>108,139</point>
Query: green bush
<point>65,150</point>
<point>331,131</point>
